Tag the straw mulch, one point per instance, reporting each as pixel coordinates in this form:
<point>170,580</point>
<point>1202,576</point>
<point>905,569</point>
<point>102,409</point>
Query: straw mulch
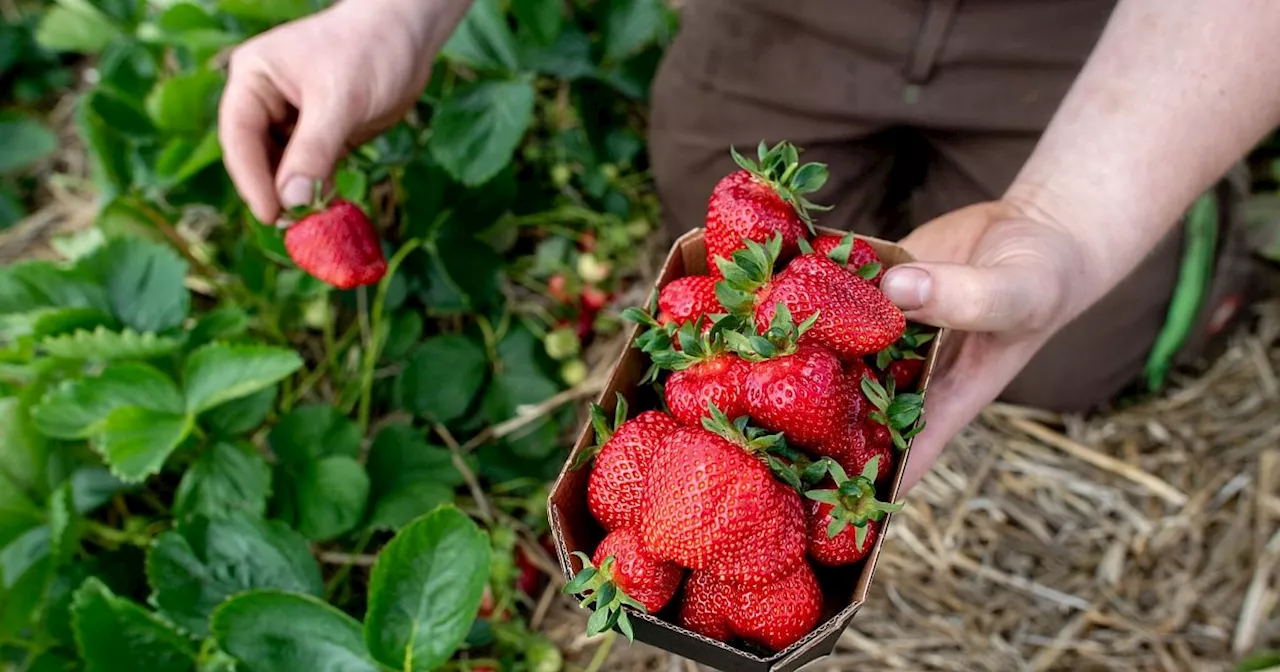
<point>1146,539</point>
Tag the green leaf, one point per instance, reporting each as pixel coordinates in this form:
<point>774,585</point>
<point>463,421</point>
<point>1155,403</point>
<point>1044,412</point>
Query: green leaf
<point>23,142</point>
<point>75,25</point>
<point>102,344</point>
<point>483,40</point>
<point>24,553</point>
<point>113,633</point>
<point>240,415</point>
<point>144,282</point>
<point>106,150</point>
<point>275,631</point>
<point>476,129</point>
<point>23,597</point>
<point>226,478</point>
<point>441,379</point>
<point>542,19</point>
<point>12,210</point>
<point>123,116</point>
<point>311,432</point>
<point>23,452</point>
<point>630,25</point>
<point>93,486</point>
<point>79,409</point>
<point>194,568</point>
<point>136,441</point>
<point>183,158</point>
<point>267,11</point>
<point>186,103</point>
<point>331,497</point>
<point>64,524</point>
<point>425,589</point>
<point>30,285</point>
<point>217,373</point>
<point>408,477</point>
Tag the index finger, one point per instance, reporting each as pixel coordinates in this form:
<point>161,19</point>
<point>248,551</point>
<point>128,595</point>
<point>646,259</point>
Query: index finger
<point>244,122</point>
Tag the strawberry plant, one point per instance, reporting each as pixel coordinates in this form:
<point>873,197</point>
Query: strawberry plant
<point>211,458</point>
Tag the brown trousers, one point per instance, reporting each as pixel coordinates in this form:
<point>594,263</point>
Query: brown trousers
<point>919,107</point>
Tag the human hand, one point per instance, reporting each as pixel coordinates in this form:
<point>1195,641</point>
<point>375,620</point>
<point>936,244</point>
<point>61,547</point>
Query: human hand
<point>321,86</point>
<point>1002,278</point>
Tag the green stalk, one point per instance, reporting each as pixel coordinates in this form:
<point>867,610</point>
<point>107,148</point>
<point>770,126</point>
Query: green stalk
<point>1201,242</point>
<point>372,348</point>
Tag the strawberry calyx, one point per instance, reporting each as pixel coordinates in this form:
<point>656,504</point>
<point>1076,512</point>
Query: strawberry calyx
<point>906,347</point>
<point>738,431</point>
<point>840,255</point>
<point>902,412</point>
<point>599,587</point>
<point>320,201</point>
<point>748,270</point>
<point>853,500</point>
<point>603,430</point>
<point>779,167</point>
<point>779,340</point>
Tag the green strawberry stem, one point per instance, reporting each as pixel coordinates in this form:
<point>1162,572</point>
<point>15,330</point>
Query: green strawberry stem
<point>780,168</point>
<point>779,340</point>
<point>853,500</point>
<point>901,413</point>
<point>603,430</point>
<point>599,588</point>
<point>319,201</point>
<point>745,272</point>
<point>907,346</point>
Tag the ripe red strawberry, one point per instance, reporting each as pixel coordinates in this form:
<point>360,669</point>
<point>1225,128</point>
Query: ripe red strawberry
<point>337,244</point>
<point>763,199</point>
<point>853,253</point>
<point>711,503</point>
<point>904,360</point>
<point>622,573</point>
<point>844,520</point>
<point>623,453</point>
<point>689,298</point>
<point>905,372</point>
<point>705,604</point>
<point>703,372</point>
<point>857,368</point>
<point>774,615</point>
<point>797,388</point>
<point>594,299</point>
<point>781,613</point>
<point>900,414</point>
<point>853,317</point>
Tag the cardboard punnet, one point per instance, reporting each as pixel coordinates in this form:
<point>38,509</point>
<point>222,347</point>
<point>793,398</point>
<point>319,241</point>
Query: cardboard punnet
<point>574,529</point>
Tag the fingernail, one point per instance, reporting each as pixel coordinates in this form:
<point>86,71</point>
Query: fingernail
<point>296,192</point>
<point>907,287</point>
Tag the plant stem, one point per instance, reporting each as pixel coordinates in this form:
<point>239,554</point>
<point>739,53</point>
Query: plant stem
<point>602,653</point>
<point>373,340</point>
<point>340,576</point>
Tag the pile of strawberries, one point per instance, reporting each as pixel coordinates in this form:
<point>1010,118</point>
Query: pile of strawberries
<point>780,373</point>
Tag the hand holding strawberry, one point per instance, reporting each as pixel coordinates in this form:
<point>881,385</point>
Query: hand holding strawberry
<point>334,241</point>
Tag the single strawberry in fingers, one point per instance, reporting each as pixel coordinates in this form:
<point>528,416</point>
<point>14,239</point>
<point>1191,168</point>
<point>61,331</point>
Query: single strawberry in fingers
<point>711,501</point>
<point>615,486</point>
<point>844,520</point>
<point>852,317</point>
<point>762,199</point>
<point>622,574</point>
<point>780,613</point>
<point>689,298</point>
<point>335,242</point>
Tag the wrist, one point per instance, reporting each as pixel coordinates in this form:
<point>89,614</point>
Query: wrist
<point>429,22</point>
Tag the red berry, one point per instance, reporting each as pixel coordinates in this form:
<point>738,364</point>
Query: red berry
<point>594,299</point>
<point>636,572</point>
<point>615,487</point>
<point>337,245</point>
<point>686,299</point>
<point>558,288</point>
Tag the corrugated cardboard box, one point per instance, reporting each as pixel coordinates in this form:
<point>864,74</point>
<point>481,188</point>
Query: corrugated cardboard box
<point>574,529</point>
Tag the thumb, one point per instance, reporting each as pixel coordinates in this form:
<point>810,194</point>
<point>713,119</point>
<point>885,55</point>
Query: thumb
<point>318,142</point>
<point>1000,297</point>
